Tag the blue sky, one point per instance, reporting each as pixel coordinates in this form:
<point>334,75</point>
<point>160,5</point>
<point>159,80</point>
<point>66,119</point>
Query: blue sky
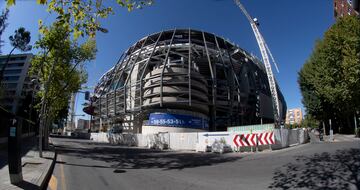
<point>290,28</point>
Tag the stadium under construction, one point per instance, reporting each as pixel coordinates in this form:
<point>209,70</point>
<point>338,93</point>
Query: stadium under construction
<point>184,80</point>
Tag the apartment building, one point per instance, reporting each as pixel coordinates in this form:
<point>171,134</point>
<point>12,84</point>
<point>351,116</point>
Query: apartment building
<point>16,84</point>
<point>294,116</point>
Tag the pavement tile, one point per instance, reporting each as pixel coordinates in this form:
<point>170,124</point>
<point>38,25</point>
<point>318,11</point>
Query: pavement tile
<point>35,171</point>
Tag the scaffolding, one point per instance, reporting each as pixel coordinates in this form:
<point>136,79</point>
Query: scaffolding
<point>188,72</point>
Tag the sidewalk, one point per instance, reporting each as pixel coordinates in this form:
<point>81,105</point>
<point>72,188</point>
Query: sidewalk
<point>36,171</point>
<point>341,138</point>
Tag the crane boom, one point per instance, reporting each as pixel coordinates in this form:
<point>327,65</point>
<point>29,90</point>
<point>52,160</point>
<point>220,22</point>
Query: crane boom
<point>262,45</point>
<point>272,57</point>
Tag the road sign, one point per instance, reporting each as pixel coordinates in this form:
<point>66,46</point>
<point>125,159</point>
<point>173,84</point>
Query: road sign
<point>266,138</point>
<point>245,140</point>
<point>215,135</point>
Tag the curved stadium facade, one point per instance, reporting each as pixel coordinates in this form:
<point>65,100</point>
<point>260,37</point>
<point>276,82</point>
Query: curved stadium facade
<point>184,80</point>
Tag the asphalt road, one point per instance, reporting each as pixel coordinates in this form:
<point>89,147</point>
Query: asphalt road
<point>83,164</point>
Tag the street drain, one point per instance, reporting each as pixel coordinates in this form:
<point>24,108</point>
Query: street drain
<point>31,164</point>
<point>119,171</point>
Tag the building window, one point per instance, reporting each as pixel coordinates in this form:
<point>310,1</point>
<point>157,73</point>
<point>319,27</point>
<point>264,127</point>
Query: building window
<point>7,101</point>
<point>15,71</point>
<point>11,65</point>
<point>11,78</point>
<point>3,60</point>
<point>11,85</point>
<point>8,107</point>
<point>10,93</point>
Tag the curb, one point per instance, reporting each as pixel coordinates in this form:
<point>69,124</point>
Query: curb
<point>47,177</point>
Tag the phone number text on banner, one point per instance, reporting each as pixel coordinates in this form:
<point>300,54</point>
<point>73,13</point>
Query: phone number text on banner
<point>177,120</point>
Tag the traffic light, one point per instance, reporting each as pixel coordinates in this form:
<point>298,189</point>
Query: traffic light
<point>87,95</point>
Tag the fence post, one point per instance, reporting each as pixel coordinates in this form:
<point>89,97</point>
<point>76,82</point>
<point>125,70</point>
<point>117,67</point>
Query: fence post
<point>257,142</point>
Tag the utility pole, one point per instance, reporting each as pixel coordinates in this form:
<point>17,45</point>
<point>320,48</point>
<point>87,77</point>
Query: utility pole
<point>355,123</point>
<point>331,131</point>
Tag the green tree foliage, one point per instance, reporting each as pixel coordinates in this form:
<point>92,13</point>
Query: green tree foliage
<point>3,17</point>
<point>330,78</point>
<point>81,17</point>
<point>65,58</point>
<point>310,121</point>
<point>21,40</point>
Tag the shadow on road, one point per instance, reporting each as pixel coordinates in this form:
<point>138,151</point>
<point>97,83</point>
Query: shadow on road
<point>81,165</point>
<point>140,158</point>
<point>340,170</point>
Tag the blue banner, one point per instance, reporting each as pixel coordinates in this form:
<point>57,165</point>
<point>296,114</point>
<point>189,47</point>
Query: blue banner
<point>177,120</point>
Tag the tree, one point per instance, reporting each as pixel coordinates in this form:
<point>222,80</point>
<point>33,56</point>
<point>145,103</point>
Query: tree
<point>310,122</point>
<point>20,41</point>
<point>59,51</point>
<point>3,17</point>
<point>67,57</point>
<point>82,18</point>
<point>60,67</point>
<point>330,79</point>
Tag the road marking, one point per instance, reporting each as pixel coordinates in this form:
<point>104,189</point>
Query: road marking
<point>63,184</point>
<point>81,146</point>
<point>53,183</point>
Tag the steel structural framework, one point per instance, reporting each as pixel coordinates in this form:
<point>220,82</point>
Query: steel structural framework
<point>263,50</point>
<point>188,72</point>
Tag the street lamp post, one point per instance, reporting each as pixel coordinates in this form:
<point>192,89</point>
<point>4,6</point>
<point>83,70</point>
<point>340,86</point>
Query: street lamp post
<point>355,123</point>
<point>33,82</point>
<point>331,131</point>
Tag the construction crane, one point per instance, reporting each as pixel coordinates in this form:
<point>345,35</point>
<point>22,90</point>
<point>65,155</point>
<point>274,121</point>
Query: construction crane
<point>71,115</point>
<point>264,53</point>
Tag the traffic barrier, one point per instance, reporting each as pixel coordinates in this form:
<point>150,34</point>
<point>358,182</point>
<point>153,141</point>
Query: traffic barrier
<point>159,141</point>
<point>294,137</point>
<point>206,140</point>
<point>266,138</point>
<point>245,140</point>
<point>183,141</point>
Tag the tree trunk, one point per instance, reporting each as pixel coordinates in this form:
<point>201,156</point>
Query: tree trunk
<point>349,126</point>
<point>43,108</point>
<point>46,134</point>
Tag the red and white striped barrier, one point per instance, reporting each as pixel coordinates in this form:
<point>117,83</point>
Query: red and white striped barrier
<point>242,140</point>
<point>266,138</point>
<point>245,140</point>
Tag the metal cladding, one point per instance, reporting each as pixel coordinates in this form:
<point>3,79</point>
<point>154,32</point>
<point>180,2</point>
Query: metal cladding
<point>187,72</point>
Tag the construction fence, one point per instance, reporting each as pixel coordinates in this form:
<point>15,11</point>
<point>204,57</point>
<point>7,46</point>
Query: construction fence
<point>203,141</point>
